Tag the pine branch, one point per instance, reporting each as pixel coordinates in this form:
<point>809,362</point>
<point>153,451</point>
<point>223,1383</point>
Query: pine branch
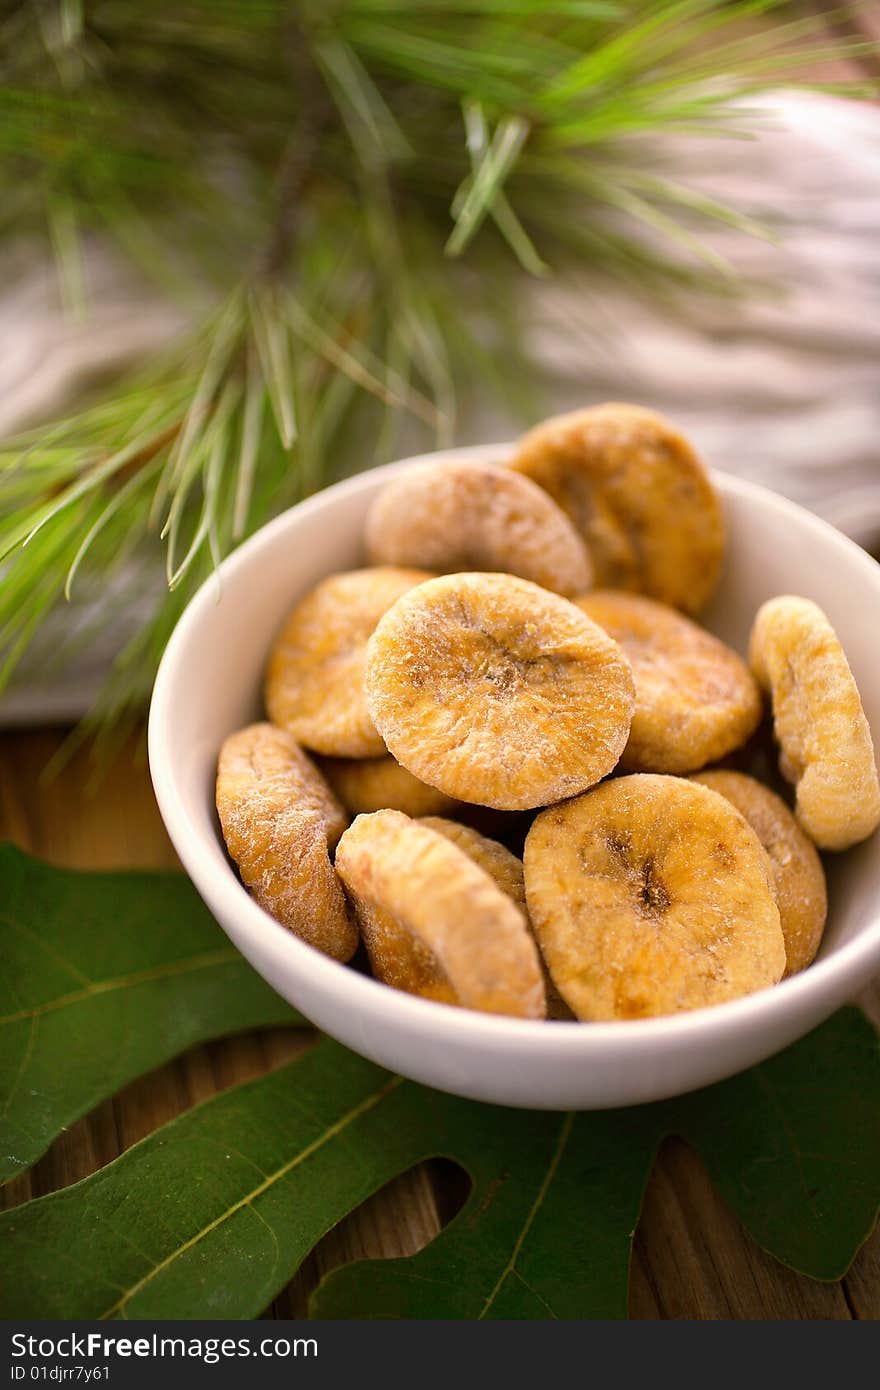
<point>398,166</point>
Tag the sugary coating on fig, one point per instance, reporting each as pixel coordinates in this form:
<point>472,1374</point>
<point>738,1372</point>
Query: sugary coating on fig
<point>696,699</point>
<point>280,820</point>
<point>497,691</point>
<point>825,742</point>
<point>507,871</point>
<point>315,677</point>
<point>433,922</point>
<point>638,494</point>
<point>464,515</point>
<point>651,895</point>
<point>798,876</point>
<point>495,859</point>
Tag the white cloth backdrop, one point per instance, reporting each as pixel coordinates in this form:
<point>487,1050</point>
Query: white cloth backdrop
<point>783,388</point>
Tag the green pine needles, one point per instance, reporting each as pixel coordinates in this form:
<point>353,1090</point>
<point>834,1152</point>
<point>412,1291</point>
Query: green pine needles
<point>350,195</point>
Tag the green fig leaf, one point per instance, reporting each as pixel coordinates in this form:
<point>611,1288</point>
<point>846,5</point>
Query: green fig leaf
<point>212,1215</point>
<point>105,976</point>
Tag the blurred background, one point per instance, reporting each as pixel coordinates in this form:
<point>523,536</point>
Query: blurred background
<point>247,249</point>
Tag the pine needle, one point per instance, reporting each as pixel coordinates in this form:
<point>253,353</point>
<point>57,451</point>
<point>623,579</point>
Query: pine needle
<point>255,396</point>
<point>357,192</point>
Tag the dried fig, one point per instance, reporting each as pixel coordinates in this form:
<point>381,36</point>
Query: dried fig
<point>280,820</point>
<point>651,895</point>
<point>498,692</point>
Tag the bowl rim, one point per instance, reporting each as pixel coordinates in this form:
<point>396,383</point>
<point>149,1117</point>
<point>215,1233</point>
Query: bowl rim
<point>828,979</point>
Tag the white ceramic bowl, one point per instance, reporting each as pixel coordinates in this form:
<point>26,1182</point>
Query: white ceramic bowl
<point>209,684</point>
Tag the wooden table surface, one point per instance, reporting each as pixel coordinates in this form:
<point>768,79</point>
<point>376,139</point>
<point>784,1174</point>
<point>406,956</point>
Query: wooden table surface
<point>691,1259</point>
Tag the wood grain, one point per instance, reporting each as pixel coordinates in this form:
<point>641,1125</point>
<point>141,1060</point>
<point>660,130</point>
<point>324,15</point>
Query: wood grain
<point>691,1257</point>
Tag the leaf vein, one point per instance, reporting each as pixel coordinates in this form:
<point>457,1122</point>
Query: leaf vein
<point>510,1267</point>
<point>330,1133</point>
<point>43,946</point>
<point>159,972</point>
<point>540,1297</point>
<point>27,1053</point>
